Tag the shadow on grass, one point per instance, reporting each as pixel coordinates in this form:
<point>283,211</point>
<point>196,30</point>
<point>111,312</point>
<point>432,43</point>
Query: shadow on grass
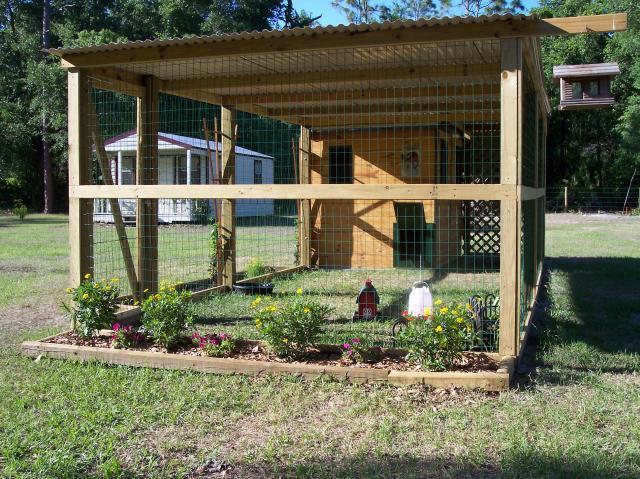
<point>585,326</point>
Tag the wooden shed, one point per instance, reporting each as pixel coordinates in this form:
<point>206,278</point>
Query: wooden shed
<point>420,144</point>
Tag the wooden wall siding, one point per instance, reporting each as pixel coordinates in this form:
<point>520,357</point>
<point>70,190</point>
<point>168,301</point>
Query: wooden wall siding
<point>359,233</point>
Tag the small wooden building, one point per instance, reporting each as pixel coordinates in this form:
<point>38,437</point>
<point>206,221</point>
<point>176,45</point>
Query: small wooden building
<point>403,128</point>
<point>585,86</point>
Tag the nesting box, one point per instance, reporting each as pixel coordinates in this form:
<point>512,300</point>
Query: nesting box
<point>585,86</point>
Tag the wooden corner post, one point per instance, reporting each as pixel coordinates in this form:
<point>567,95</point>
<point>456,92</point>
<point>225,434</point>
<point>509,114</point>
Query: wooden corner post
<point>147,174</point>
<point>304,228</point>
<point>80,209</point>
<point>227,207</point>
<point>510,158</point>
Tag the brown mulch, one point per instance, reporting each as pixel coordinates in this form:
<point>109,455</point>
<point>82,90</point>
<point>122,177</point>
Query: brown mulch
<point>328,355</point>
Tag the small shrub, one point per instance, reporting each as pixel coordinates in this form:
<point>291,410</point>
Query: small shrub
<point>254,268</point>
<point>20,210</point>
<point>353,351</point>
<point>290,327</point>
<point>216,345</point>
<point>125,336</point>
<point>437,339</point>
<point>166,315</point>
<point>94,305</point>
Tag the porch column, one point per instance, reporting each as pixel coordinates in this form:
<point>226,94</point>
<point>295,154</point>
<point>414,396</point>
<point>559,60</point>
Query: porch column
<point>188,167</point>
<point>119,167</point>
<point>227,209</point>
<point>80,210</point>
<point>510,158</point>
<point>147,174</point>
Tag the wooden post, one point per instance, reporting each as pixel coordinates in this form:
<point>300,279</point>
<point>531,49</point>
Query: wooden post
<point>227,230</point>
<point>147,174</point>
<point>305,205</point>
<point>510,159</point>
<point>80,210</point>
<point>566,199</point>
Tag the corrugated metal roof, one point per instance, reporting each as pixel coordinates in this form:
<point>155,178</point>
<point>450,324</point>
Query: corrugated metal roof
<point>290,33</point>
<point>594,69</point>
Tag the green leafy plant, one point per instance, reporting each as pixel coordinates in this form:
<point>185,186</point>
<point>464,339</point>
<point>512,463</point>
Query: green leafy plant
<point>255,267</point>
<point>20,210</point>
<point>437,339</point>
<point>94,305</point>
<point>290,327</point>
<point>215,345</point>
<point>166,315</point>
<point>126,336</point>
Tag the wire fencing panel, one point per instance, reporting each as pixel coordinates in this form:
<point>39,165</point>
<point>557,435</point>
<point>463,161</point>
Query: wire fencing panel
<point>403,114</point>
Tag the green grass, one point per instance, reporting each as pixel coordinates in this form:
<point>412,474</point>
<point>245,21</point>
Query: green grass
<point>578,417</point>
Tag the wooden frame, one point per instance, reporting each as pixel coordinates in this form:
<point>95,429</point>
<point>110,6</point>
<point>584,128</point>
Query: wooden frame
<point>488,381</point>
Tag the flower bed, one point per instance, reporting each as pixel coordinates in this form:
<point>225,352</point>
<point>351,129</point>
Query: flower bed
<point>477,370</point>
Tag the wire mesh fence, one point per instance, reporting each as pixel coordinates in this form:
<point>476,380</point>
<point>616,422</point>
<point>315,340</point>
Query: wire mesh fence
<point>623,199</point>
<point>385,115</point>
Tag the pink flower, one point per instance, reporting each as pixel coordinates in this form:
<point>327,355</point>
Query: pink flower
<point>346,346</point>
<point>355,340</point>
<point>405,313</point>
<point>116,327</point>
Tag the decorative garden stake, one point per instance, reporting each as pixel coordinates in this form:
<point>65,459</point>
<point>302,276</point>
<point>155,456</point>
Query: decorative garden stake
<point>367,302</point>
<point>420,299</point>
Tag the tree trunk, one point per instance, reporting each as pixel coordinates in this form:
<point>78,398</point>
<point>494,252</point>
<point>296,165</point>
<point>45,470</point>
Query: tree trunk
<point>47,172</point>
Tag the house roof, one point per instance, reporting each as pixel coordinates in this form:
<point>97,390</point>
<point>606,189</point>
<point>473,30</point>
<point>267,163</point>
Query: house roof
<point>128,141</point>
<point>591,70</point>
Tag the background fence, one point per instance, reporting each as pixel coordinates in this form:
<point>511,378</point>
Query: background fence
<point>593,200</point>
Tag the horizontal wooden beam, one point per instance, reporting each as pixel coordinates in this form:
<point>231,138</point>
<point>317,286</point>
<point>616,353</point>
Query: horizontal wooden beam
<point>163,51</point>
<point>324,78</point>
<point>117,80</point>
<point>393,120</point>
<point>273,274</point>
<point>294,191</point>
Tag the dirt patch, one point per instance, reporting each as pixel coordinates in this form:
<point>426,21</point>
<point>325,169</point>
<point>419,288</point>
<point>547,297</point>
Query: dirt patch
<point>326,355</point>
<point>580,218</point>
<point>17,320</point>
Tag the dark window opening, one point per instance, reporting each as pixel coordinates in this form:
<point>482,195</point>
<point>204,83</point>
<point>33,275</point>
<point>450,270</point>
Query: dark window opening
<point>443,161</point>
<point>594,88</point>
<point>180,170</point>
<point>340,164</point>
<point>576,90</point>
<point>257,172</point>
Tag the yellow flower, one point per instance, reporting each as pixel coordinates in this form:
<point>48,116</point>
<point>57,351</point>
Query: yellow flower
<point>299,291</point>
<point>272,309</point>
<point>285,340</point>
<point>107,288</point>
<point>469,328</point>
<point>469,307</point>
<point>172,289</point>
<point>115,280</point>
<point>87,276</point>
<point>146,290</point>
<point>438,329</point>
<point>69,290</point>
<point>158,296</point>
<point>162,288</point>
<point>427,312</point>
<point>136,303</point>
<point>306,310</point>
<point>438,302</point>
<point>85,296</point>
<point>455,311</point>
<point>444,310</point>
<point>459,320</point>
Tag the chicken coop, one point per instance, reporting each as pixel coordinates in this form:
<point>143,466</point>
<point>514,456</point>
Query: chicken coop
<point>401,151</point>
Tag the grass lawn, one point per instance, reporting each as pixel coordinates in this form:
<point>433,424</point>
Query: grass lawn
<point>577,416</point>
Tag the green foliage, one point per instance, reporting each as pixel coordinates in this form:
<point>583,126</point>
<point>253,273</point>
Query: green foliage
<point>215,345</point>
<point>166,315</point>
<point>94,305</point>
<point>290,327</point>
<point>255,267</point>
<point>20,210</point>
<point>213,249</point>
<point>437,339</point>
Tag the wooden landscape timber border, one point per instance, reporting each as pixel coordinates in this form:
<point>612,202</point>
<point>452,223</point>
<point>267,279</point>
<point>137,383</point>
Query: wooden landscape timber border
<point>488,380</point>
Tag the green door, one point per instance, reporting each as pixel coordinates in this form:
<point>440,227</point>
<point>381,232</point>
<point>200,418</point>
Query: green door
<point>412,237</point>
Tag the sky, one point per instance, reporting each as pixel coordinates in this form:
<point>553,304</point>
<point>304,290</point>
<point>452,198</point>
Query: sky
<point>331,16</point>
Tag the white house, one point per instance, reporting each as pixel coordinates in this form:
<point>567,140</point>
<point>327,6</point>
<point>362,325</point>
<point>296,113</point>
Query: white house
<point>182,161</point>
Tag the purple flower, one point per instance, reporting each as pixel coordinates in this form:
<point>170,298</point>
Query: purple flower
<point>116,327</point>
<point>355,340</point>
<point>346,346</point>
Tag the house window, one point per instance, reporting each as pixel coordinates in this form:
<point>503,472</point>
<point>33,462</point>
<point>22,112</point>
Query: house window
<point>594,88</point>
<point>443,160</point>
<point>257,172</point>
<point>340,164</point>
<point>179,170</point>
<point>576,90</point>
<point>128,172</point>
